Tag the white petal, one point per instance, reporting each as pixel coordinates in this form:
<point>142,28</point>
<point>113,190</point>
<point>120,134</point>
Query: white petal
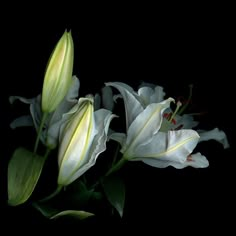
<point>22,99</point>
<point>56,118</point>
<point>214,134</point>
<point>159,94</point>
<point>151,93</point>
<point>35,111</point>
<point>35,108</point>
<point>117,96</point>
<point>73,92</point>
<point>198,161</point>
<point>132,106</point>
<point>68,102</point>
<point>76,140</point>
<point>145,126</point>
<point>145,94</point>
<point>107,98</point>
<point>173,146</point>
<point>22,121</point>
<point>118,137</point>
<point>186,121</point>
<point>97,102</point>
<point>103,118</point>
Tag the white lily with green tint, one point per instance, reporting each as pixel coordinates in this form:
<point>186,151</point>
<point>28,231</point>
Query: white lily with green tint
<point>145,142</point>
<point>150,93</point>
<point>82,138</point>
<point>57,79</point>
<point>50,133</point>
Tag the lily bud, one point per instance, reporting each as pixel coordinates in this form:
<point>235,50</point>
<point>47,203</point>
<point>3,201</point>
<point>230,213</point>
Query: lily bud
<point>77,137</point>
<point>58,76</point>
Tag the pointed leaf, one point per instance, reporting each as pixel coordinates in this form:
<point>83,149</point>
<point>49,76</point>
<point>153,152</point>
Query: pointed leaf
<point>24,170</point>
<point>78,214</point>
<point>115,192</point>
<point>52,213</point>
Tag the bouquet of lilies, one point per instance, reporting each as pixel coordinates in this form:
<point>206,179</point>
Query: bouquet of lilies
<point>75,131</point>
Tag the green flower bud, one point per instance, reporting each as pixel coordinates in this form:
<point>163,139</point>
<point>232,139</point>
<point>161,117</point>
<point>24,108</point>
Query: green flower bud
<point>76,141</point>
<point>58,76</point>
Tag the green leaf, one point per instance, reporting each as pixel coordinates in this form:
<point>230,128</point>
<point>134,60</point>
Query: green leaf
<point>78,214</point>
<point>24,170</point>
<point>52,213</point>
<point>114,189</point>
<point>45,209</point>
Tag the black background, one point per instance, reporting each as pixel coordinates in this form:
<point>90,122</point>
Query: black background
<point>170,46</point>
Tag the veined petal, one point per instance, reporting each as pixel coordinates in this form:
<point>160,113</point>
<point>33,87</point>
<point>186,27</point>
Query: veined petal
<point>132,105</point>
<point>118,137</point>
<point>146,124</point>
<point>22,121</point>
<point>173,146</point>
<point>68,102</point>
<point>36,113</point>
<point>197,161</point>
<point>50,133</point>
<point>107,98</point>
<point>214,134</point>
<point>35,109</point>
<point>57,79</point>
<point>12,99</point>
<point>145,93</point>
<point>103,118</point>
<point>186,121</point>
<point>56,119</point>
<point>158,95</point>
<point>78,134</point>
<point>149,95</point>
<point>97,102</point>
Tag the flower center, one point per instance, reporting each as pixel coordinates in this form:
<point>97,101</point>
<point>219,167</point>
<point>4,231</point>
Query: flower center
<point>170,118</point>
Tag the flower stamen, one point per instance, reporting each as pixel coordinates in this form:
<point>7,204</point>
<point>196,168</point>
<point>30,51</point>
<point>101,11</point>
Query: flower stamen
<point>188,100</point>
<point>179,104</point>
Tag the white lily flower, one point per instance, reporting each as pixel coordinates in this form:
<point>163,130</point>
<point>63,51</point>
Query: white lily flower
<point>185,121</point>
<point>144,140</point>
<point>83,137</point>
<point>50,133</point>
<point>149,93</point>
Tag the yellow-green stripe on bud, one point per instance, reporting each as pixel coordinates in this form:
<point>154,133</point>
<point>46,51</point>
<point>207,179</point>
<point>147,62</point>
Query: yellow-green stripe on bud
<point>76,139</point>
<point>58,76</point>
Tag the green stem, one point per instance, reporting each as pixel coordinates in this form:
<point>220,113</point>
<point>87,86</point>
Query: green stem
<point>47,153</point>
<point>117,166</point>
<point>116,154</point>
<point>55,193</point>
<point>39,131</point>
<point>113,169</point>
